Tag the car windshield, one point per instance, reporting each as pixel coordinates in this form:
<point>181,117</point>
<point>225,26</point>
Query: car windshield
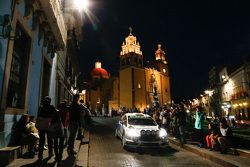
<point>141,121</point>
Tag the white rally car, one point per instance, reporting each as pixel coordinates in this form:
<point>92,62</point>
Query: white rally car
<point>140,130</point>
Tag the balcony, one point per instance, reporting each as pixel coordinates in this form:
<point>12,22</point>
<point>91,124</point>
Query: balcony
<point>239,95</point>
<point>54,14</point>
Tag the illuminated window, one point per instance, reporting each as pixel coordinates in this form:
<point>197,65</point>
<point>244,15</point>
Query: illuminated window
<point>164,70</point>
<point>139,85</point>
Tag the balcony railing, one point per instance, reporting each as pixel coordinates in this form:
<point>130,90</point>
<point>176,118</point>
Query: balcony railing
<point>54,14</point>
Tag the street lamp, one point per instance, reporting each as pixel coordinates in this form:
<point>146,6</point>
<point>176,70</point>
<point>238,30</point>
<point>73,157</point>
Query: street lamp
<point>81,4</point>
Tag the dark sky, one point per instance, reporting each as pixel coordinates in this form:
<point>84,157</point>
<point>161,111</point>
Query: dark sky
<point>194,34</point>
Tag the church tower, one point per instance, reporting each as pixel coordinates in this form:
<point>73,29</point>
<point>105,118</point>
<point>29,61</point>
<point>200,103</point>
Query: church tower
<point>131,54</point>
<point>160,63</point>
<point>140,87</point>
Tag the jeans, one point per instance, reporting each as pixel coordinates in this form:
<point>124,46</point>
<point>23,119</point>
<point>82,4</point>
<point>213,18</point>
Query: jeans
<point>58,147</point>
<point>182,134</point>
<point>201,137</point>
<point>73,129</point>
<point>42,134</point>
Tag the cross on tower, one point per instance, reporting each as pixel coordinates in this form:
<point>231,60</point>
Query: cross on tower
<point>130,29</point>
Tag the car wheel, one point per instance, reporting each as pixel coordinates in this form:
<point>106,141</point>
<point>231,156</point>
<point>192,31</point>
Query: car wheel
<point>124,142</point>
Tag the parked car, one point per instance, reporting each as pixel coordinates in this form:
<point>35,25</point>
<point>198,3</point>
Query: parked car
<point>137,130</point>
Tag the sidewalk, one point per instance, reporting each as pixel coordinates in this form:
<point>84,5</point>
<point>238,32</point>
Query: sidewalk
<point>227,160</point>
<point>80,160</point>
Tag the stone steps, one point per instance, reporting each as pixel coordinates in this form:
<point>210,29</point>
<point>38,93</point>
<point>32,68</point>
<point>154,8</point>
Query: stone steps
<point>9,154</point>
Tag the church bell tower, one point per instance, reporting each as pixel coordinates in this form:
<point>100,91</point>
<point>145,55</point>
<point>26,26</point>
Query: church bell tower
<point>131,54</point>
<point>160,63</point>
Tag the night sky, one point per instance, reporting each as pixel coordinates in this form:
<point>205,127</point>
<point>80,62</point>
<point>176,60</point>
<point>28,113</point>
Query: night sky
<point>194,34</point>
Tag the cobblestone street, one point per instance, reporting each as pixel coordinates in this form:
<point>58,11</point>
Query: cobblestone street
<point>106,151</point>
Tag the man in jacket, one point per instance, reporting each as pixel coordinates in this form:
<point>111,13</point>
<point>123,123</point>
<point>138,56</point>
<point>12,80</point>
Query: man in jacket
<point>74,123</point>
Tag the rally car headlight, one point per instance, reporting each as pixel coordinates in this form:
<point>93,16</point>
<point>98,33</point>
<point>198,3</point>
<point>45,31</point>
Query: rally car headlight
<point>163,133</point>
<point>132,133</point>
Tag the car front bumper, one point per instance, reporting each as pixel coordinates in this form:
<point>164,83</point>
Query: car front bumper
<point>146,144</point>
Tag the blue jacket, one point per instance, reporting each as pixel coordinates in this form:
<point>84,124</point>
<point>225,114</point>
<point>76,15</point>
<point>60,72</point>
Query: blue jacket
<point>199,120</point>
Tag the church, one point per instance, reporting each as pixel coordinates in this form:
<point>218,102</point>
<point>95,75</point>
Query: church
<point>136,86</point>
<point>140,86</point>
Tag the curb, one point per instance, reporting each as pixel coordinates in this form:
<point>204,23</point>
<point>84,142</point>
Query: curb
<point>202,154</point>
<point>83,152</point>
<point>244,153</point>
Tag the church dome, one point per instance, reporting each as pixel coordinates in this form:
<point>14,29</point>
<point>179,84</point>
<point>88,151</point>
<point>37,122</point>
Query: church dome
<point>99,72</point>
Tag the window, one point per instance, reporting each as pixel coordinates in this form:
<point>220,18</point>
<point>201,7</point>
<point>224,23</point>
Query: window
<point>141,121</point>
<point>135,60</point>
<point>123,62</point>
<point>18,71</point>
<point>139,85</point>
<point>128,60</point>
<point>140,61</point>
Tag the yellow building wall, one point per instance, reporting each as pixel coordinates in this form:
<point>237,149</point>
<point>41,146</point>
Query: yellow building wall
<point>116,89</point>
<point>139,89</point>
<point>166,90</point>
<point>95,99</point>
<point>163,84</point>
<point>113,104</point>
<point>125,97</point>
<point>143,94</point>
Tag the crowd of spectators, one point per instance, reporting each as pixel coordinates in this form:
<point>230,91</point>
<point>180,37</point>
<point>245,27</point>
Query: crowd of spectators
<point>177,118</point>
<point>53,129</point>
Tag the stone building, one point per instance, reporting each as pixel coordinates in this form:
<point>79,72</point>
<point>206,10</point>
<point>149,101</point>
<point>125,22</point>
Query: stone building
<point>38,57</point>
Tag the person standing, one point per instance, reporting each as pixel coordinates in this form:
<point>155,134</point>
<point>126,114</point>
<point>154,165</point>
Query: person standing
<point>181,122</point>
<point>83,120</point>
<point>57,133</point>
<point>64,114</point>
<point>199,122</point>
<point>46,111</point>
<point>74,123</point>
<point>164,118</point>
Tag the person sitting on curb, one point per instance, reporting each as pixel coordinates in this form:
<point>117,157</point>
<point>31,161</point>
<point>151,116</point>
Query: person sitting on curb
<point>212,137</point>
<point>225,139</point>
<point>24,136</point>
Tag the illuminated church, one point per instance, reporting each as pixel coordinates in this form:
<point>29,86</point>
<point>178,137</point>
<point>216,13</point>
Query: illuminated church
<point>136,86</point>
<point>140,86</point>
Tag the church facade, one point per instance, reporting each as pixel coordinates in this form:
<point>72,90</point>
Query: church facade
<point>140,86</point>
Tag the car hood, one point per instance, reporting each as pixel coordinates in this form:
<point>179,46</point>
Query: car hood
<point>139,127</point>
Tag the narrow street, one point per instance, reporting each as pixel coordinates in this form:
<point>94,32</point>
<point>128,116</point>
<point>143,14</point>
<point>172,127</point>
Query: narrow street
<point>106,151</point>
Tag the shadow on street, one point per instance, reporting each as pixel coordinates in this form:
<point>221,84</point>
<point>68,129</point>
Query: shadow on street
<point>169,151</point>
